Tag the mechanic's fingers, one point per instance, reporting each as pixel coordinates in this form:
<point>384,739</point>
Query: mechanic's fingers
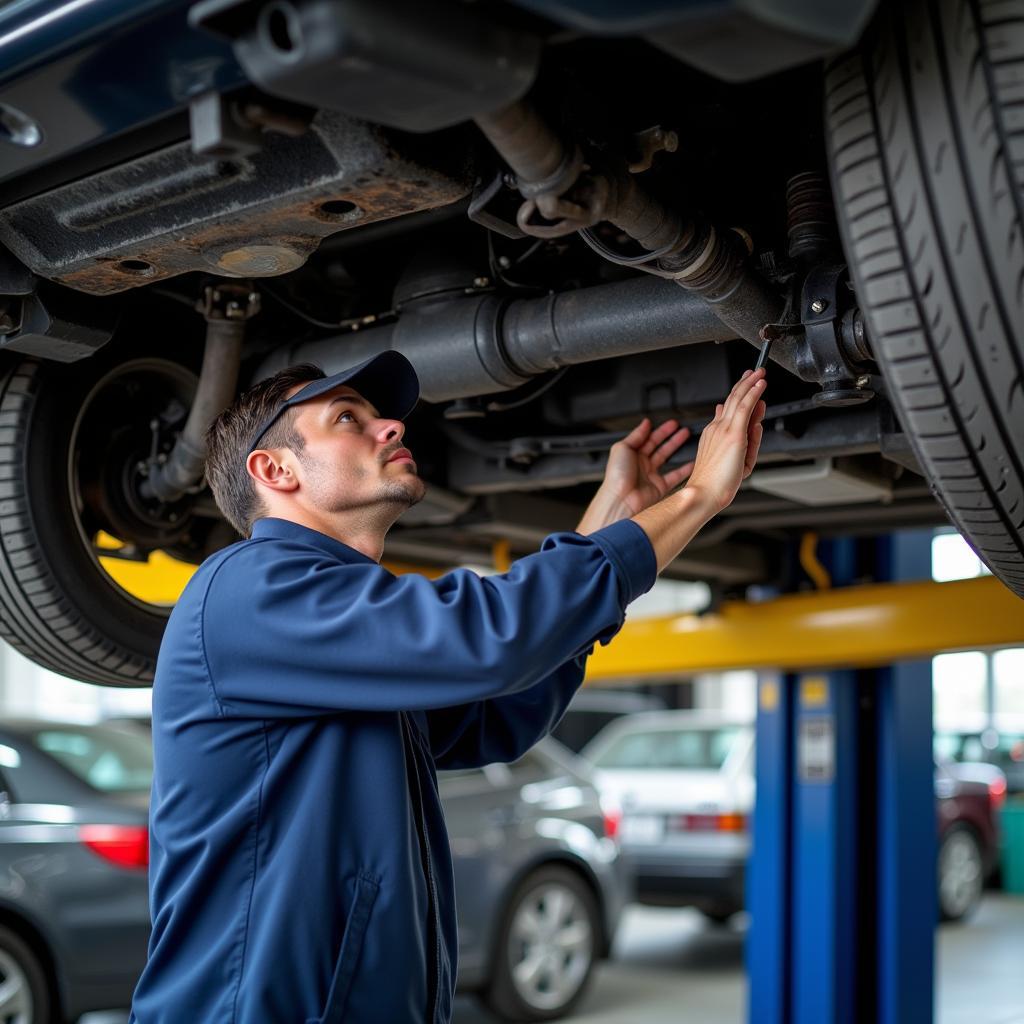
<point>738,390</point>
<point>744,407</point>
<point>659,435</point>
<point>669,447</point>
<point>638,435</point>
<point>674,477</point>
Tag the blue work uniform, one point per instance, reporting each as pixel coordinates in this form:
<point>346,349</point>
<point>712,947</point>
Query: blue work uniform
<point>300,871</point>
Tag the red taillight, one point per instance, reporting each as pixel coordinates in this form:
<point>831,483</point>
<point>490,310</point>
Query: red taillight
<point>612,819</point>
<point>997,793</point>
<point>127,846</point>
<point>709,822</point>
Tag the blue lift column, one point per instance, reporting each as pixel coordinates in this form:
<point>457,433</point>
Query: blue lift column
<point>842,881</point>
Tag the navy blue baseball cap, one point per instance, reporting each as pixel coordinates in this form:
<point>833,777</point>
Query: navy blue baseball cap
<point>387,381</point>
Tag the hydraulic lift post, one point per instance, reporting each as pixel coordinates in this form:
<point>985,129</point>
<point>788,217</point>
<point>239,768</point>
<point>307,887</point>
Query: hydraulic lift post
<point>842,880</point>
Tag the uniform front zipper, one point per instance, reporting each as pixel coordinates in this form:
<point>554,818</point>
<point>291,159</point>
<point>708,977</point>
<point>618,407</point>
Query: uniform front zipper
<point>421,828</point>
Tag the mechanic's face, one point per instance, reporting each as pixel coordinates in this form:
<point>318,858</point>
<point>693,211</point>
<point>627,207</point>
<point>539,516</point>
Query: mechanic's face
<point>353,457</point>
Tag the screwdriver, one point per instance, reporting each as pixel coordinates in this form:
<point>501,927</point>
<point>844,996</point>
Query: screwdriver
<point>763,356</point>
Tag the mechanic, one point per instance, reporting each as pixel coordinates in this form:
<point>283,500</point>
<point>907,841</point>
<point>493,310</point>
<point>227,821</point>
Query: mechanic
<point>304,697</point>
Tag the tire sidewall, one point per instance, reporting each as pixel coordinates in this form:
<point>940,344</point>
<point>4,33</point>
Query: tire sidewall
<point>51,507</point>
<point>918,178</point>
<point>91,629</point>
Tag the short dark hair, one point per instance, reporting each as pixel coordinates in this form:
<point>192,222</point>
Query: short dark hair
<point>231,433</point>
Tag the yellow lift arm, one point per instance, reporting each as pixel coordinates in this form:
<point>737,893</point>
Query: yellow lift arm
<point>849,626</point>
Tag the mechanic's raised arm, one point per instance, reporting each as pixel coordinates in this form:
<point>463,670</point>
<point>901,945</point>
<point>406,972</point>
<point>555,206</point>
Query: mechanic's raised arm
<point>634,486</point>
<point>308,633</point>
<point>412,643</point>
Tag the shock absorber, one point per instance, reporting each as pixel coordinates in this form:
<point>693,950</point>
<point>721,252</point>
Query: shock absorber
<point>811,227</point>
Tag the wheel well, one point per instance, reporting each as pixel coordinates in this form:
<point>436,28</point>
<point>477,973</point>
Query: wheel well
<point>36,941</point>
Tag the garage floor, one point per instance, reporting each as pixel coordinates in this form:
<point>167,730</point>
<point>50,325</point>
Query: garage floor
<point>670,967</point>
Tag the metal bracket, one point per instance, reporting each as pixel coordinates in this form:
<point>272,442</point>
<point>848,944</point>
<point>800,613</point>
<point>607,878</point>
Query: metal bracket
<point>218,131</point>
<point>842,382</point>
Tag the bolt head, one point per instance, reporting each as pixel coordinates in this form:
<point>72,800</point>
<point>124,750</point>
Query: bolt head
<point>481,282</point>
<point>819,306</point>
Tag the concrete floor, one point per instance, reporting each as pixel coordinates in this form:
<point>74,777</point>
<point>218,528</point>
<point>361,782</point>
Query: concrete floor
<point>670,967</point>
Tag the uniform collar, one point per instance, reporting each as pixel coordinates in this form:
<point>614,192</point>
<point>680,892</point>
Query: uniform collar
<point>285,529</point>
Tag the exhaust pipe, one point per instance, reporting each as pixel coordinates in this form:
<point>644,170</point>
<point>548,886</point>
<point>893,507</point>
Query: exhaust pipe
<point>485,343</point>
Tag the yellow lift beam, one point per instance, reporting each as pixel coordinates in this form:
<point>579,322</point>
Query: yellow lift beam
<point>160,579</point>
<point>846,627</point>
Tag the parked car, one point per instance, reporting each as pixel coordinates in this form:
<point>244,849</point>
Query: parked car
<point>967,804</point>
<point>1003,748</point>
<point>74,848</point>
<point>559,211</point>
<point>685,783</point>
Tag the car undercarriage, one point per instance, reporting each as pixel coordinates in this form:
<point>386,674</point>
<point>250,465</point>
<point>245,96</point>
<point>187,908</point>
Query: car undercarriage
<point>564,231</point>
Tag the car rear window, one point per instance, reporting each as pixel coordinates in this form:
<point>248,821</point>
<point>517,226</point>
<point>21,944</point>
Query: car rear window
<point>670,748</point>
<point>109,760</point>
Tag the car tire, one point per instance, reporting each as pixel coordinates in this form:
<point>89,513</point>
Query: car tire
<point>57,605</point>
<point>553,923</point>
<point>961,874</point>
<point>24,991</point>
<point>926,149</point>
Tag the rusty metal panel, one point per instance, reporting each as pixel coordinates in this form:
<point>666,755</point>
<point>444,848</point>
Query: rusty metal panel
<point>258,215</point>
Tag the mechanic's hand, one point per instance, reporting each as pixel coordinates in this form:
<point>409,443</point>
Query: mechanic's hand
<point>633,479</point>
<point>633,475</point>
<point>729,443</point>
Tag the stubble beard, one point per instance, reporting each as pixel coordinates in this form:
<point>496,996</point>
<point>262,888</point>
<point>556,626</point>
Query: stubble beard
<point>406,492</point>
<point>392,497</point>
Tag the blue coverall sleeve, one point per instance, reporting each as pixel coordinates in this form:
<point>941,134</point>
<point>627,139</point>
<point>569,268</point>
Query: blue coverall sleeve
<point>292,631</point>
<point>504,728</point>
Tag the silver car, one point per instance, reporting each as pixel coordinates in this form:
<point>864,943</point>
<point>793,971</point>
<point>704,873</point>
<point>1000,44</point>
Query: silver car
<point>684,781</point>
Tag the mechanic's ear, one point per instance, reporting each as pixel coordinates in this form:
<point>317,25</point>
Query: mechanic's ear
<point>266,468</point>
